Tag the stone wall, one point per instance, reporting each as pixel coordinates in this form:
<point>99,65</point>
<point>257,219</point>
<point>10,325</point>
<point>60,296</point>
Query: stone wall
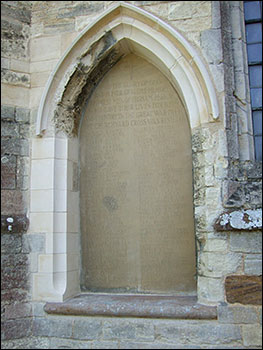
<point>227,183</point>
<point>16,311</point>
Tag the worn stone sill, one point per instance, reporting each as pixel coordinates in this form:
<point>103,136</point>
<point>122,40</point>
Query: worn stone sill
<point>151,306</point>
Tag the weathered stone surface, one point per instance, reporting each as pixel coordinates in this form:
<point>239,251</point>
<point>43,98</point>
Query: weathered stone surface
<point>84,329</point>
<point>10,146</point>
<point>219,264</point>
<point>18,310</point>
<point>27,343</point>
<point>12,201</point>
<point>212,45</point>
<point>198,333</point>
<point>19,328</point>
<point>14,223</point>
<point>237,314</point>
<point>253,264</point>
<point>33,243</point>
<point>244,289</point>
<point>7,113</point>
<point>136,305</point>
<point>252,335</point>
<point>155,345</point>
<point>14,270</point>
<point>60,343</point>
<point>44,327</point>
<point>247,242</point>
<point>14,295</point>
<point>15,10</point>
<point>22,115</point>
<point>87,8</point>
<point>240,220</point>
<point>15,78</point>
<point>9,129</point>
<point>11,243</point>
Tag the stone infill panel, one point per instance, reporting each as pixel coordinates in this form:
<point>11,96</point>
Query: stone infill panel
<point>152,306</point>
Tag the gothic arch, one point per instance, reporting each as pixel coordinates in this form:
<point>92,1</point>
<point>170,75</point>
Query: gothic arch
<point>120,30</point>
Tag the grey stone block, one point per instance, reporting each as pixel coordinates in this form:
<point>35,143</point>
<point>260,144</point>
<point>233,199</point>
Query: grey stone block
<point>59,327</point>
<point>22,115</point>
<point>7,113</point>
<point>119,330</point>
<point>11,243</point>
<point>253,264</point>
<point>105,345</point>
<point>87,329</point>
<point>56,343</point>
<point>26,343</point>
<point>212,45</point>
<point>156,345</point>
<point>247,242</point>
<point>252,335</point>
<point>237,314</point>
<point>9,129</point>
<point>18,310</point>
<point>19,328</point>
<point>33,243</point>
<point>199,333</point>
<point>10,146</point>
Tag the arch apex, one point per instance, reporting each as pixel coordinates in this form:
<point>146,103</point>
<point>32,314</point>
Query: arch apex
<point>100,45</point>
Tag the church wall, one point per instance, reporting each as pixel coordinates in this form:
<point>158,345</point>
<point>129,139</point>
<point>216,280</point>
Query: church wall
<point>226,180</point>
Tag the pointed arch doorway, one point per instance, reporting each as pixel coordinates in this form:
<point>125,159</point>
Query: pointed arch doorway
<point>136,198</point>
<point>120,31</point>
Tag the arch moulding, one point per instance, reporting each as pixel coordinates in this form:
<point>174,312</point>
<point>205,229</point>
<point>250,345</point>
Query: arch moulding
<point>120,30</point>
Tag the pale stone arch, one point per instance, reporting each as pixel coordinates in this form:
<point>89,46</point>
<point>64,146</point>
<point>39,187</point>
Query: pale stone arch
<point>121,29</point>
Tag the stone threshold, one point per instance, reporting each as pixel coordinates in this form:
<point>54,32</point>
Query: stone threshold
<point>120,305</point>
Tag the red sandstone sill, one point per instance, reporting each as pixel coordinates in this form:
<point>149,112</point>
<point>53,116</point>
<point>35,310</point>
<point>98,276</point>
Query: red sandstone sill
<point>150,306</point>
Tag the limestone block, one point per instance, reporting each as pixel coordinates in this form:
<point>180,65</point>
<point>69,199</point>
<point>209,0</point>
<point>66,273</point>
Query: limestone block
<point>247,242</point>
<point>42,173</point>
<point>17,328</point>
<point>27,343</point>
<point>237,314</point>
<point>252,335</point>
<point>5,63</point>
<point>212,45</point>
<point>22,115</point>
<point>15,78</point>
<point>19,65</point>
<point>35,96</point>
<point>160,9</point>
<point>128,330</point>
<point>215,245</point>
<point>45,48</point>
<point>7,113</point>
<point>198,333</point>
<point>52,327</point>
<point>43,66</point>
<point>253,264</point>
<point>210,290</point>
<point>60,343</point>
<point>86,329</point>
<point>18,310</point>
<point>39,79</point>
<point>219,264</point>
<point>33,243</point>
<point>15,95</point>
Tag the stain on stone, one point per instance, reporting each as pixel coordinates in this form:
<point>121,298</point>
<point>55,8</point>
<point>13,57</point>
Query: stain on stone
<point>110,203</point>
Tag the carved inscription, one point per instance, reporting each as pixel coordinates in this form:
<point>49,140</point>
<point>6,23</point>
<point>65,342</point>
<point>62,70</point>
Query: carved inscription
<point>136,184</point>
